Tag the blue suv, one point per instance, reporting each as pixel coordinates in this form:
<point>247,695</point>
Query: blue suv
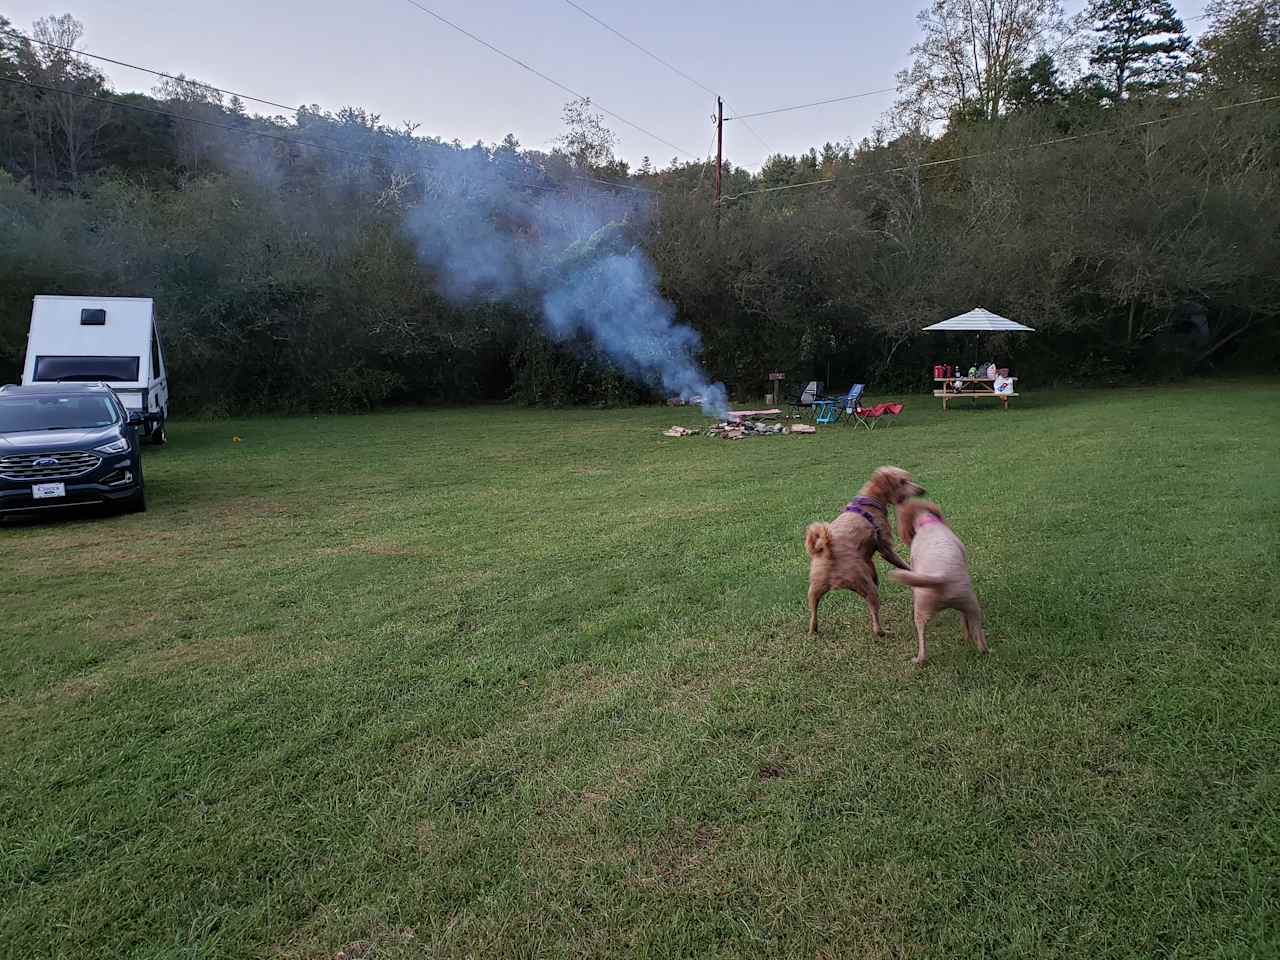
<point>68,444</point>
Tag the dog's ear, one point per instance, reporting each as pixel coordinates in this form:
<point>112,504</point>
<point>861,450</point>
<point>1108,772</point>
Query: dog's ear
<point>909,511</point>
<point>892,484</point>
<point>885,482</point>
<point>907,521</point>
<point>928,506</point>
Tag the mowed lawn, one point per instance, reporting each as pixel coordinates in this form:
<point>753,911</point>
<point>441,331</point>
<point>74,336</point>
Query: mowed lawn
<point>512,683</point>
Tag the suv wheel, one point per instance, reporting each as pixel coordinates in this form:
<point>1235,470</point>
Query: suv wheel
<point>138,502</point>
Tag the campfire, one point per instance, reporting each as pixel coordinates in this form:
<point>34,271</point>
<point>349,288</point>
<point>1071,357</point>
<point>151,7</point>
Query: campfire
<point>742,424</point>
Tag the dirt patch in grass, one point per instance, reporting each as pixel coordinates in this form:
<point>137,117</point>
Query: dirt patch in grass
<point>101,546</point>
<point>77,688</point>
<point>77,553</point>
<point>245,509</point>
<point>773,770</point>
<point>305,945</point>
<point>577,687</point>
<point>679,858</point>
<point>205,653</point>
<point>151,663</point>
<point>369,548</point>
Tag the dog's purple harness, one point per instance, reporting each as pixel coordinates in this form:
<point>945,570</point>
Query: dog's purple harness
<point>857,507</point>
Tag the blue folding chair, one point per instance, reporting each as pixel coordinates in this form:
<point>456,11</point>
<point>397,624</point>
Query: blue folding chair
<point>832,409</point>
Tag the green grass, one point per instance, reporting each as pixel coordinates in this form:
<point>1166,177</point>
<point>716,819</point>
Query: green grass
<point>504,683</point>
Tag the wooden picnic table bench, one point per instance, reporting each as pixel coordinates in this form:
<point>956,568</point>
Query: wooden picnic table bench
<point>974,388</point>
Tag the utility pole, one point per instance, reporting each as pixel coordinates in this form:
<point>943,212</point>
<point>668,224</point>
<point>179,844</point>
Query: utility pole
<point>719,152</point>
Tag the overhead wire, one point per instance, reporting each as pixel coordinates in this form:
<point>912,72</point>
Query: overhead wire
<point>198,120</point>
<point>853,96</point>
<point>815,103</point>
<point>159,73</point>
<point>223,126</point>
<point>702,172</point>
<point>192,82</point>
<point>551,80</point>
<point>1004,150</point>
<point>647,52</point>
<point>670,66</point>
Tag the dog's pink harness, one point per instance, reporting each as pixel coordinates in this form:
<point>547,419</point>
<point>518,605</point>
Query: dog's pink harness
<point>925,520</point>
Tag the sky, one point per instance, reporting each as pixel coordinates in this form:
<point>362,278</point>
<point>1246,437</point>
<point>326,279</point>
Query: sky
<point>395,60</point>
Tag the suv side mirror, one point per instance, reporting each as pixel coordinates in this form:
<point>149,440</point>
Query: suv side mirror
<point>136,418</point>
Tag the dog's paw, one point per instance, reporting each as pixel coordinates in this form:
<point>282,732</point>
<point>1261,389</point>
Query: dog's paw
<point>918,661</point>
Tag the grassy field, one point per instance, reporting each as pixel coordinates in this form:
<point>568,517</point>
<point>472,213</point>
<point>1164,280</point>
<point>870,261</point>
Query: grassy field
<point>507,683</point>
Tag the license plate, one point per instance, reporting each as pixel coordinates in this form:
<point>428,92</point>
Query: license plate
<point>43,491</point>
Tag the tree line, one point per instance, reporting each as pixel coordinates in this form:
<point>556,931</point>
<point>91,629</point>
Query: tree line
<point>1103,179</point>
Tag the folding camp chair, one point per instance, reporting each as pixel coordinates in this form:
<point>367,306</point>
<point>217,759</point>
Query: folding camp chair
<point>804,399</point>
<point>871,417</point>
<point>833,409</point>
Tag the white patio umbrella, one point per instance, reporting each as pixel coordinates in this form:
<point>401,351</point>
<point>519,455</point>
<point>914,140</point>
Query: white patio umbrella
<point>979,320</point>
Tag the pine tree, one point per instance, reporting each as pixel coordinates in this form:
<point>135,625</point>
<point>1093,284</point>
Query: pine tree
<point>1142,45</point>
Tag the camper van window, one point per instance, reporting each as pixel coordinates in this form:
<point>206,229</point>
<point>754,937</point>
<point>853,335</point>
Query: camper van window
<point>93,317</point>
<point>86,369</point>
<point>155,355</point>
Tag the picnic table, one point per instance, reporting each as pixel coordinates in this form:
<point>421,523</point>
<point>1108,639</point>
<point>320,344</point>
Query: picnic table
<point>974,388</point>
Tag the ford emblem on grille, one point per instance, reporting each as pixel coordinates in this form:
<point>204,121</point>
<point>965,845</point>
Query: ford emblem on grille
<point>45,462</point>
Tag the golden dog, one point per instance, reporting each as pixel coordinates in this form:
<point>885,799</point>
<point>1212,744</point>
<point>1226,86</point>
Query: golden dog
<point>840,552</point>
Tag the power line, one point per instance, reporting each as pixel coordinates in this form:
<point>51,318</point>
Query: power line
<point>159,73</point>
<point>222,126</point>
<point>752,130</point>
<point>644,50</point>
<point>551,80</point>
<point>244,131</point>
<point>815,103</point>
<point>711,147</point>
<point>1004,150</point>
<point>670,66</point>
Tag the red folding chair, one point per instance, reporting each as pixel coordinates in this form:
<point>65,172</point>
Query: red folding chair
<point>870,417</point>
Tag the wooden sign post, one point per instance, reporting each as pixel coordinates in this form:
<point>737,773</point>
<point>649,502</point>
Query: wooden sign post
<point>775,387</point>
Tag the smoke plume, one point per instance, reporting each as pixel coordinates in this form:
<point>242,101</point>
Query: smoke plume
<point>493,227</point>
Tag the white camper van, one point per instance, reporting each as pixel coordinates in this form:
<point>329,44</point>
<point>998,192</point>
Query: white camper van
<point>108,339</point>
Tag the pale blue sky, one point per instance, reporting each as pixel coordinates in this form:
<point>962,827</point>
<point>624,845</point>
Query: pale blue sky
<point>391,58</point>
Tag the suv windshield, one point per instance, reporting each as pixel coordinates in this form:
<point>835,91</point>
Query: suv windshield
<point>18,414</point>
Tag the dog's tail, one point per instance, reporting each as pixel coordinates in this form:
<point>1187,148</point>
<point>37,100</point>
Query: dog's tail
<point>913,579</point>
<point>817,539</point>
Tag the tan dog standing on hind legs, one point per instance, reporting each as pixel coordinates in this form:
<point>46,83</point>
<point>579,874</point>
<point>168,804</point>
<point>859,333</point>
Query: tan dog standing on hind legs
<point>939,574</point>
<point>841,552</point>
